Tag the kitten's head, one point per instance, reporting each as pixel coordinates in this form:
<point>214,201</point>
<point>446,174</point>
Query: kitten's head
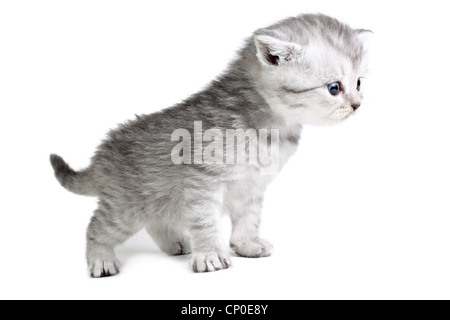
<point>311,68</point>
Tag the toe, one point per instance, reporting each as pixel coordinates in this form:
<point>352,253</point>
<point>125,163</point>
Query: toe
<point>209,262</point>
<point>226,262</point>
<point>104,268</point>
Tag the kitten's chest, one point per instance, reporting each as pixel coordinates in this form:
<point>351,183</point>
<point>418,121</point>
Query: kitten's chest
<point>268,166</point>
<point>287,149</point>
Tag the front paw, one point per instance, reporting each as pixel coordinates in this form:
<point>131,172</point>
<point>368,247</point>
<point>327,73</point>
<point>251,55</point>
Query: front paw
<point>209,262</point>
<point>101,268</point>
<point>252,248</point>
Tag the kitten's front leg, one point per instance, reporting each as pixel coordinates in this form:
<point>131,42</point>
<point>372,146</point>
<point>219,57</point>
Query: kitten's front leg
<point>244,207</point>
<point>203,209</point>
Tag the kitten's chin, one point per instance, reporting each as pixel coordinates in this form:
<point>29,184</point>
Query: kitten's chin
<point>314,116</point>
<point>326,121</point>
<point>340,115</point>
<point>321,120</point>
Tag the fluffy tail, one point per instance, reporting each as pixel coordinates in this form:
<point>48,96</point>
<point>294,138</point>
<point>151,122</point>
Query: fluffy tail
<point>76,182</point>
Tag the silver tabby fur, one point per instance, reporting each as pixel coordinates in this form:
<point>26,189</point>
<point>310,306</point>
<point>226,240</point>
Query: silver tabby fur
<point>278,81</point>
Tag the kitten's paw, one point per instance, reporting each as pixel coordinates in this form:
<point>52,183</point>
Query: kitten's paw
<point>209,262</point>
<point>179,248</point>
<point>252,248</point>
<point>102,268</point>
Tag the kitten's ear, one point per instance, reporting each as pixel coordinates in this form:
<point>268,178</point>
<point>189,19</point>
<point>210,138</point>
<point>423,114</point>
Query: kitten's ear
<point>272,51</point>
<point>364,35</point>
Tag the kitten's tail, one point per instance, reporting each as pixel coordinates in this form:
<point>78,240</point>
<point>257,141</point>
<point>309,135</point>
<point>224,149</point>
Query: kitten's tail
<point>77,182</point>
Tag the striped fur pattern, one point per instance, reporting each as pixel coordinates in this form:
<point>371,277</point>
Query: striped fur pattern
<point>278,81</point>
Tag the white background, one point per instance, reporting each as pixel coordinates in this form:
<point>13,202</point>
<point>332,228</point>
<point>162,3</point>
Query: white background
<point>361,212</point>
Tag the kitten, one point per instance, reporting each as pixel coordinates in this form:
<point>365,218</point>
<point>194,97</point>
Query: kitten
<point>303,70</point>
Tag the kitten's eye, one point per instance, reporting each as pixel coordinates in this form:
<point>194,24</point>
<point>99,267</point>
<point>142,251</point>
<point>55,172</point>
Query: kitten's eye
<point>334,88</point>
<point>358,85</point>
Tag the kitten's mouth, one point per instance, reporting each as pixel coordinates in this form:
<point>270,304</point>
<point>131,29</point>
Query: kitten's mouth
<point>342,113</point>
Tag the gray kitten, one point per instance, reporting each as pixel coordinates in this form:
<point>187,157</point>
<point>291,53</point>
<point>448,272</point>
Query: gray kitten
<point>303,70</point>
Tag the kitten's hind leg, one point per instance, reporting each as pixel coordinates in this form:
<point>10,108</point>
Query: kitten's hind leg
<point>171,239</point>
<point>105,232</point>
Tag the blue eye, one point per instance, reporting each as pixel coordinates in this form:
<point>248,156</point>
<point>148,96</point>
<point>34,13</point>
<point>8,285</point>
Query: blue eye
<point>358,85</point>
<point>334,88</point>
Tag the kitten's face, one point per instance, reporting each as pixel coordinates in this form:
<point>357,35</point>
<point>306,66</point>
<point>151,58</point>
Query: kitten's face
<point>318,82</point>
